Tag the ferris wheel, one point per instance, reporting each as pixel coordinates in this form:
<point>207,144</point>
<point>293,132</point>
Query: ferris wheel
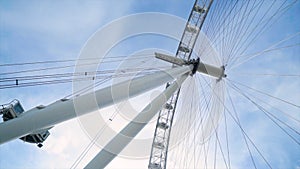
<point>208,84</point>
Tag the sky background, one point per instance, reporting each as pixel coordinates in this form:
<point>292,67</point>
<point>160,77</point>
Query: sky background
<point>53,30</point>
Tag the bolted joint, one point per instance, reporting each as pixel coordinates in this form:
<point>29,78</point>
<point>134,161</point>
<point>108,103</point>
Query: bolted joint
<point>223,75</point>
<point>195,63</point>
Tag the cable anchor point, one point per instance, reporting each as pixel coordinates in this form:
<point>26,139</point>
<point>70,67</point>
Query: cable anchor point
<point>194,62</point>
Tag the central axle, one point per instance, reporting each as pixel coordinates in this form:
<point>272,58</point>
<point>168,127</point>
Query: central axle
<point>207,69</point>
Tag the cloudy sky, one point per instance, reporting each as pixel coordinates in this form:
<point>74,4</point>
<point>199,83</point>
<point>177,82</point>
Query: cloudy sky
<point>44,30</point>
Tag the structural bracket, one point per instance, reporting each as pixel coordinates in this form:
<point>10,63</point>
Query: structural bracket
<point>207,69</point>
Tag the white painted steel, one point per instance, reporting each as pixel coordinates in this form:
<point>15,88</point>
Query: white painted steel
<point>122,139</point>
<point>206,69</point>
<point>216,72</point>
<point>60,111</point>
<point>171,59</point>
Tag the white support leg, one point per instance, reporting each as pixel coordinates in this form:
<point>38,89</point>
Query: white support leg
<point>60,111</point>
<point>120,141</point>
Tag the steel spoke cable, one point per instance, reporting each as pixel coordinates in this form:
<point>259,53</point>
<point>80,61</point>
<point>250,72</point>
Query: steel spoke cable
<point>241,43</point>
<point>198,119</point>
<point>222,45</point>
<point>243,31</point>
<point>216,128</point>
<point>192,122</point>
<point>268,114</point>
<point>219,25</point>
<point>269,50</point>
<point>253,144</point>
<point>91,86</point>
<point>92,142</point>
<point>265,74</point>
<point>69,80</point>
<point>179,150</point>
<point>210,22</point>
<point>265,27</point>
<point>208,101</point>
<point>202,88</point>
<point>89,146</point>
<point>233,29</point>
<point>73,60</point>
<point>271,106</point>
<point>226,136</point>
<point>47,68</point>
<point>200,124</point>
<point>76,74</point>
<point>196,102</point>
<point>208,142</point>
<point>212,42</point>
<point>206,152</point>
<point>62,67</point>
<point>32,83</point>
<point>221,150</point>
<point>266,94</point>
<point>215,39</point>
<point>66,80</point>
<point>185,157</point>
<point>212,19</point>
<point>235,62</point>
<point>36,84</point>
<point>194,142</point>
<point>237,121</point>
<point>87,88</point>
<point>19,83</point>
<point>215,156</point>
<point>209,25</point>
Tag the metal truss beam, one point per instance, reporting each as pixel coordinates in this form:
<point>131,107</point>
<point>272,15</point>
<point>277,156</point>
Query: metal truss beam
<point>159,151</point>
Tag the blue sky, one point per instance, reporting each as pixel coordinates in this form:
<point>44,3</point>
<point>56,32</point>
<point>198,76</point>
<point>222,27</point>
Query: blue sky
<point>45,30</point>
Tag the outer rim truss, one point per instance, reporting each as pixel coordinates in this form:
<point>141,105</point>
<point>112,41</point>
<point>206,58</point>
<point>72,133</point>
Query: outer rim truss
<point>159,150</point>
